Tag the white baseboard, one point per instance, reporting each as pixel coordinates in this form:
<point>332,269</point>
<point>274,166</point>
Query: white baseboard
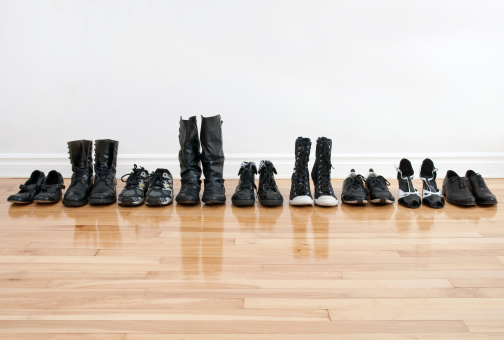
<point>490,165</point>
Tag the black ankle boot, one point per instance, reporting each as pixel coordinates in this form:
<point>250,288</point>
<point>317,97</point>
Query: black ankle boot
<point>244,194</point>
<point>212,159</point>
<point>321,174</point>
<point>104,187</point>
<point>268,192</point>
<point>189,158</point>
<point>81,158</point>
<point>300,193</point>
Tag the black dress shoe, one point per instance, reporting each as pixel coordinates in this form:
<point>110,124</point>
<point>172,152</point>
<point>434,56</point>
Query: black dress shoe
<point>408,195</point>
<point>431,194</point>
<point>244,193</point>
<point>479,189</point>
<point>268,193</point>
<point>29,189</point>
<point>456,190</point>
<point>51,188</point>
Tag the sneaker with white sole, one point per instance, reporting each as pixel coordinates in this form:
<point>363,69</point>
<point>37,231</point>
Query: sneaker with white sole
<point>134,192</point>
<point>300,193</point>
<point>321,174</point>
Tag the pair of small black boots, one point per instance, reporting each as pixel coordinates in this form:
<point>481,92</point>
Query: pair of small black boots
<point>40,188</point>
<point>267,193</point>
<point>84,187</point>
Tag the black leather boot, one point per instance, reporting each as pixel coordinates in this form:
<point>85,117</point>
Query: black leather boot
<point>212,159</point>
<point>81,158</point>
<point>189,158</point>
<point>104,187</point>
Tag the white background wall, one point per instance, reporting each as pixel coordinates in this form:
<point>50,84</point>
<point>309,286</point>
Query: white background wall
<point>383,79</point>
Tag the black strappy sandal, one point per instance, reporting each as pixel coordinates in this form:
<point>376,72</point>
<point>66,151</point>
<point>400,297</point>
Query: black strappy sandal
<point>432,197</point>
<point>408,195</point>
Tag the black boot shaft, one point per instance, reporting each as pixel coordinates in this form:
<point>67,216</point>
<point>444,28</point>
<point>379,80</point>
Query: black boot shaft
<point>300,180</point>
<point>189,154</point>
<point>212,152</point>
<point>104,187</point>
<point>81,158</point>
<point>321,171</point>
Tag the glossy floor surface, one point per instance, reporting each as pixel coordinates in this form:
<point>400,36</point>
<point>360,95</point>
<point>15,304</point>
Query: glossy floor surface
<point>223,272</point>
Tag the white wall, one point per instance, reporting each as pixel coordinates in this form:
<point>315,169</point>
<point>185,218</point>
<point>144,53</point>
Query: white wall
<point>383,79</point>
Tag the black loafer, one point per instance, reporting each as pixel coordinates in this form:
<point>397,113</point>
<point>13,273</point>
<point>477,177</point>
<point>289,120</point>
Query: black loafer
<point>456,190</point>
<point>29,189</point>
<point>479,189</point>
<point>50,190</point>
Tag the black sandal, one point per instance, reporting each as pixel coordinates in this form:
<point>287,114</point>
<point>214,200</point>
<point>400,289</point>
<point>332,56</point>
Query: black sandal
<point>408,195</point>
<point>432,196</point>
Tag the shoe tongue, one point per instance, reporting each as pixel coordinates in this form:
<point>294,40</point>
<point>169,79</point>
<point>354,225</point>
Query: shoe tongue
<point>352,173</point>
<point>371,173</point>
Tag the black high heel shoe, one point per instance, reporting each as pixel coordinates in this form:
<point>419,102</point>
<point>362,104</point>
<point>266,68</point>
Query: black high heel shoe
<point>431,195</point>
<point>408,195</point>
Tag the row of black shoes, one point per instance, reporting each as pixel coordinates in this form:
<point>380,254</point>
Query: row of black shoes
<point>358,189</point>
<point>39,188</point>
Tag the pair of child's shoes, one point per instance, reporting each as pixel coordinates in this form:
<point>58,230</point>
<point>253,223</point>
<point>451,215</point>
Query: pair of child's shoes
<point>39,188</point>
<point>408,195</point>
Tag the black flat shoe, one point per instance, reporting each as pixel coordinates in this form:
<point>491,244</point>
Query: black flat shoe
<point>479,189</point>
<point>29,189</point>
<point>432,196</point>
<point>456,190</point>
<point>408,195</point>
<point>50,191</point>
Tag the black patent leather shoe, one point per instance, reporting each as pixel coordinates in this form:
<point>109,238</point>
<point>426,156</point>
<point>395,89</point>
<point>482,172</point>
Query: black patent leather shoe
<point>456,190</point>
<point>244,194</point>
<point>479,189</point>
<point>408,195</point>
<point>432,196</point>
<point>28,190</point>
<point>50,191</point>
<point>268,193</point>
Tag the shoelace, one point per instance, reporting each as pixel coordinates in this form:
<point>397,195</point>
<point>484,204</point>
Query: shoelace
<point>357,182</point>
<point>156,180</point>
<point>480,181</point>
<point>246,179</point>
<point>379,181</point>
<point>267,175</point>
<point>325,170</point>
<point>300,186</point>
<point>133,179</point>
<point>460,182</point>
<point>102,174</point>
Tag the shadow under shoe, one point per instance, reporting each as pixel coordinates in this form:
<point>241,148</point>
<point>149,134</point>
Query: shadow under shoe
<point>432,196</point>
<point>244,194</point>
<point>28,190</point>
<point>104,187</point>
<point>189,158</point>
<point>268,193</point>
<point>81,158</point>
<point>408,195</point>
<point>51,188</point>
<point>212,159</point>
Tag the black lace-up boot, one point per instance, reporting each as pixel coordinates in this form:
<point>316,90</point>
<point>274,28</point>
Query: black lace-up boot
<point>212,159</point>
<point>189,158</point>
<point>321,174</point>
<point>244,194</point>
<point>300,193</point>
<point>104,187</point>
<point>268,192</point>
<point>81,158</point>
<point>456,190</point>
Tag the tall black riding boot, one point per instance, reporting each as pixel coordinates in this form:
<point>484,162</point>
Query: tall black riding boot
<point>104,187</point>
<point>212,159</point>
<point>81,157</point>
<point>189,158</point>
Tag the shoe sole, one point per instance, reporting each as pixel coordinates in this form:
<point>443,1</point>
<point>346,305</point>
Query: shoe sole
<point>325,203</point>
<point>356,202</point>
<point>129,204</point>
<point>214,202</point>
<point>158,204</point>
<point>271,203</point>
<point>410,206</point>
<point>381,201</point>
<point>186,202</point>
<point>18,202</point>
<point>243,203</point>
<point>301,201</point>
<point>45,202</point>
<point>75,203</point>
<point>460,203</point>
<point>101,201</point>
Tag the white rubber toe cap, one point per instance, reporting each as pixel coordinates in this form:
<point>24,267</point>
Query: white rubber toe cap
<point>301,200</point>
<point>327,201</point>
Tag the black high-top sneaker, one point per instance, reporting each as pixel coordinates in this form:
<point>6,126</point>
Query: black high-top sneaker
<point>28,190</point>
<point>136,186</point>
<point>353,189</point>
<point>81,158</point>
<point>268,192</point>
<point>321,174</point>
<point>50,191</point>
<point>479,188</point>
<point>377,187</point>
<point>300,193</point>
<point>104,187</point>
<point>432,196</point>
<point>244,193</point>
<point>160,190</point>
<point>408,195</point>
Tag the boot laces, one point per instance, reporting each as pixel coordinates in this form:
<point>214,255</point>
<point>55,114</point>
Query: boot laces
<point>79,172</point>
<point>102,174</point>
<point>246,179</point>
<point>268,181</point>
<point>301,173</point>
<point>324,170</point>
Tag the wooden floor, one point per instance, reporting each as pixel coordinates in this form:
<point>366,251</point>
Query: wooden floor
<point>223,272</point>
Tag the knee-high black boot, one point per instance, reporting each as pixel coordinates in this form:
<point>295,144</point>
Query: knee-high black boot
<point>212,159</point>
<point>189,158</point>
<point>81,158</point>
<point>104,187</point>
